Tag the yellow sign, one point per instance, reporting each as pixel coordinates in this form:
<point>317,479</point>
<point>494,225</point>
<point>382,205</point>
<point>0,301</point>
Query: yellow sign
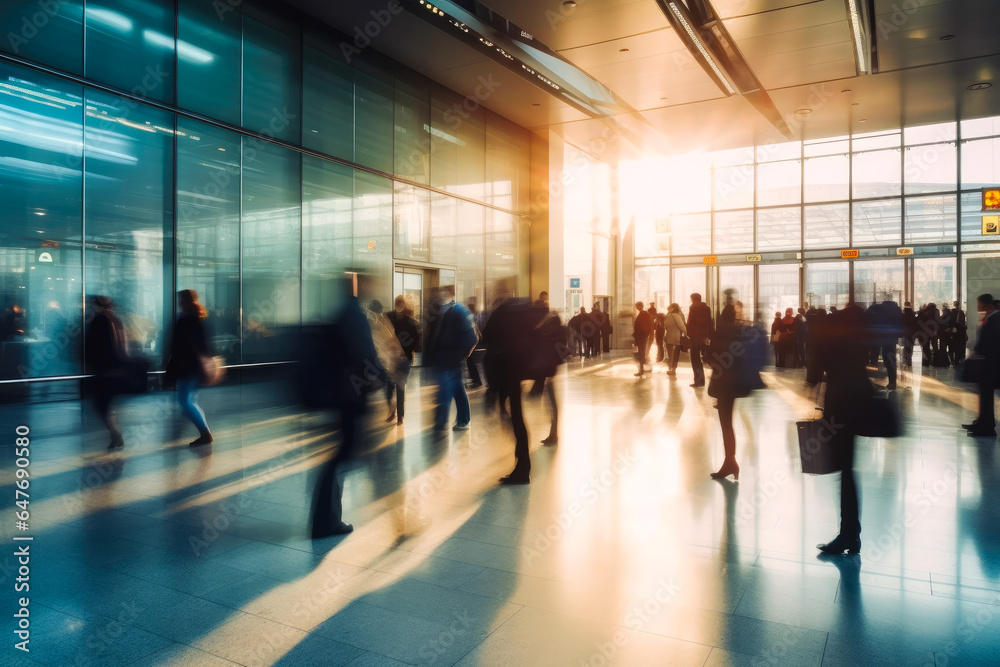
<point>848,254</point>
<point>753,258</point>
<point>991,199</point>
<point>904,251</point>
<point>991,224</point>
<point>710,260</point>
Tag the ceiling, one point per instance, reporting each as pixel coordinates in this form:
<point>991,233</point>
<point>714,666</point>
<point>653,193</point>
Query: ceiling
<point>801,50</point>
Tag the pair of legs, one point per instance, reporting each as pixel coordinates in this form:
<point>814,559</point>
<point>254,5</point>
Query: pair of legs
<point>697,353</point>
<point>399,409</point>
<point>328,508</point>
<point>640,354</point>
<point>729,464</point>
<point>103,398</point>
<point>672,357</point>
<point>889,359</point>
<point>472,365</point>
<point>511,389</point>
<point>187,396</point>
<point>451,387</point>
<point>550,392</point>
<point>849,538</point>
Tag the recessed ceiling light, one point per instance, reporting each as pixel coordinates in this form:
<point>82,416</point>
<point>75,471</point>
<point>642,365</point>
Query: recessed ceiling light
<point>622,50</point>
<point>863,120</point>
<point>846,90</point>
<point>855,104</point>
<point>570,4</point>
<point>803,111</point>
<point>982,85</point>
<point>535,104</point>
<point>946,38</point>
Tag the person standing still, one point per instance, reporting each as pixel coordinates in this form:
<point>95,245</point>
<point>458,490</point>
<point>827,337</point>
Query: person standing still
<point>641,329</point>
<point>699,327</point>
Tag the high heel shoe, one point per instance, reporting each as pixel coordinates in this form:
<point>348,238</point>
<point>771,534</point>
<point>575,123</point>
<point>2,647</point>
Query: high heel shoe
<point>727,470</point>
<point>839,545</point>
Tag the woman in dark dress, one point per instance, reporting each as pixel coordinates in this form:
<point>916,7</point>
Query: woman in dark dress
<point>188,346</point>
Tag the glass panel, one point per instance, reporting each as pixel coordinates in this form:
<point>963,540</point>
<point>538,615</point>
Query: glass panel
<point>972,219</point>
<point>981,127</point>
<point>733,157</point>
<point>444,228</point>
<point>931,168</point>
<point>471,278</point>
<point>142,31</point>
<point>505,149</point>
<point>327,104</point>
<point>373,107</point>
<point>691,234</point>
<point>871,140</point>
<point>931,219</point>
<point>826,147</point>
<point>980,163</point>
<point>652,285</point>
<point>271,75</point>
<point>785,151</point>
<point>209,54</point>
<point>128,192</point>
<point>779,183</point>
<point>927,134</point>
<point>827,178</point>
<point>878,281</point>
<point>827,226</point>
<point>733,187</point>
<point>500,247</point>
<point>779,229</point>
<point>687,281</point>
<point>876,174</point>
<point>828,284</point>
<point>412,222</point>
<point>40,198</point>
<point>779,288</point>
<point>444,141</point>
<point>327,234</point>
<point>412,123</point>
<point>652,237</point>
<point>270,246</point>
<point>578,260</point>
<point>47,32</point>
<point>472,158</point>
<point>876,223</point>
<point>934,281</point>
<point>373,230</point>
<point>208,227</point>
<point>739,278</point>
<point>734,232</point>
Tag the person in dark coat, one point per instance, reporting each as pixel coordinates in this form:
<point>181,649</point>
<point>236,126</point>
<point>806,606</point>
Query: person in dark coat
<point>578,343</point>
<point>450,340</point>
<point>659,328</point>
<point>105,353</point>
<point>928,332</point>
<point>959,337</point>
<point>641,330</point>
<point>844,355</point>
<point>606,330</point>
<point>472,363</point>
<point>510,345</point>
<point>988,347</point>
<point>596,320</point>
<point>189,344</point>
<point>351,368</point>
<point>408,334</point>
<point>909,332</point>
<point>699,327</point>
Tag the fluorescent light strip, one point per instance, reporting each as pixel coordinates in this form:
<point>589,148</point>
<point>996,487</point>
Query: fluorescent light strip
<point>852,7</point>
<point>701,48</point>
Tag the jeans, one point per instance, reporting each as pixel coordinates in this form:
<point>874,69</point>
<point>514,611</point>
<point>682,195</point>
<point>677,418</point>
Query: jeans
<point>187,396</point>
<point>451,386</point>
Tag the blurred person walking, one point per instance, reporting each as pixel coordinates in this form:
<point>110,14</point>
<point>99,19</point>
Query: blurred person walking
<point>699,326</point>
<point>187,356</point>
<point>642,327</point>
<point>595,320</point>
<point>472,363</point>
<point>674,328</point>
<point>988,348</point>
<point>659,329</point>
<point>105,355</point>
<point>450,340</point>
<point>407,332</point>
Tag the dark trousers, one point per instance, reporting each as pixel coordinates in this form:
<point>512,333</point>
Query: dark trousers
<point>673,356</point>
<point>472,365</point>
<point>328,507</point>
<point>659,347</point>
<point>400,390</point>
<point>986,419</point>
<point>907,352</point>
<point>889,359</point>
<point>103,398</point>
<point>607,342</point>
<point>511,389</point>
<point>850,505</point>
<point>697,352</point>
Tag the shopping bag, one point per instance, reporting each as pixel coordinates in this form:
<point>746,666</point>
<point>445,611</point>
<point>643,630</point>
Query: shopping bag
<point>819,453</point>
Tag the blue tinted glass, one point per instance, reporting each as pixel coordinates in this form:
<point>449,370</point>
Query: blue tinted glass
<point>209,43</point>
<point>130,45</point>
<point>271,75</point>
<point>327,235</point>
<point>41,134</point>
<point>129,213</point>
<point>328,105</point>
<point>47,31</point>
<point>373,121</point>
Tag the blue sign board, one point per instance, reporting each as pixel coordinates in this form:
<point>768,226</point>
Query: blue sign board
<point>574,283</point>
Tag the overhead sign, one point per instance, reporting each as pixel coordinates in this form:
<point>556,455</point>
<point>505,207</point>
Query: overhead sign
<point>849,254</point>
<point>574,283</point>
<point>991,224</point>
<point>45,257</point>
<point>991,199</point>
<point>753,258</point>
<point>904,251</point>
<point>711,259</point>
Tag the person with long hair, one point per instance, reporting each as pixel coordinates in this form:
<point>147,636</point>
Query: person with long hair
<point>189,345</point>
<point>674,328</point>
<point>105,353</point>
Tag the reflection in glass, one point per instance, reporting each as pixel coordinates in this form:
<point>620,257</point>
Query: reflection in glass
<point>411,214</point>
<point>876,281</point>
<point>934,281</point>
<point>327,102</point>
<point>60,41</point>
<point>373,230</point>
<point>828,284</point>
<point>931,219</point>
<point>130,45</point>
<point>209,47</point>
<point>876,174</point>
<point>412,124</point>
<point>500,249</point>
<point>876,223</point>
<point>972,218</point>
<point>691,234</point>
<point>779,288</point>
<point>827,226</point>
<point>445,221</point>
<point>739,278</point>
<point>471,276</point>
<point>652,285</point>
<point>779,229</point>
<point>684,283</point>
<point>733,231</point>
<point>271,78</point>
<point>327,233</point>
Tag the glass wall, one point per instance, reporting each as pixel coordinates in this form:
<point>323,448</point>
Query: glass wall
<point>211,190</point>
<point>911,194</point>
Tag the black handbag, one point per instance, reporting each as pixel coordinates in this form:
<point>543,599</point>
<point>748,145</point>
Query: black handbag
<point>817,450</point>
<point>878,417</point>
<point>972,370</point>
<point>685,343</point>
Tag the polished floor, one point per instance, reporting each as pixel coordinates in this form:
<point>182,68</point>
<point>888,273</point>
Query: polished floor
<point>621,551</point>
